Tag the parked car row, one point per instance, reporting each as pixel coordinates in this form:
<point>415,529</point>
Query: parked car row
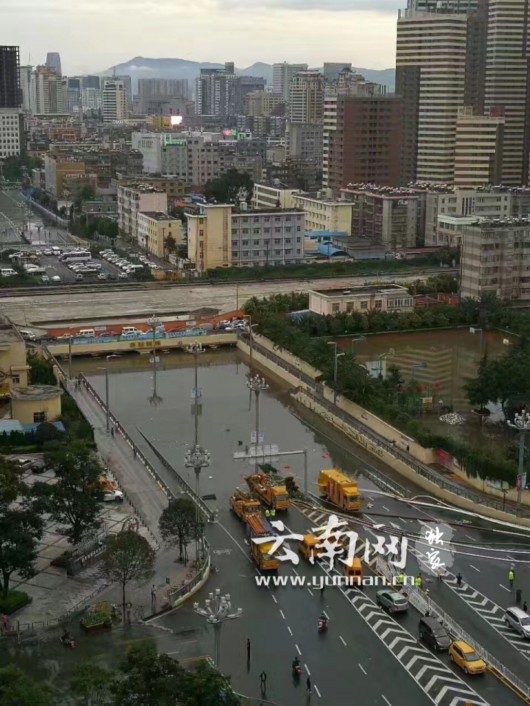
<point>126,265</point>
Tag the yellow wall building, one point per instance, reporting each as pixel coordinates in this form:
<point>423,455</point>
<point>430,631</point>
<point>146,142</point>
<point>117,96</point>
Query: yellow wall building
<point>36,404</point>
<point>210,237</point>
<point>324,214</point>
<point>13,366</point>
<point>154,228</point>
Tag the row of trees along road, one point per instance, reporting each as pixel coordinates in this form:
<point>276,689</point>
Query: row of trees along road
<point>144,678</point>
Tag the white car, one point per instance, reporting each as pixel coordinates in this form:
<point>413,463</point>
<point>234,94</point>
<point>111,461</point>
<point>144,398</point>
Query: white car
<point>110,496</point>
<point>47,252</point>
<point>123,275</point>
<point>56,279</point>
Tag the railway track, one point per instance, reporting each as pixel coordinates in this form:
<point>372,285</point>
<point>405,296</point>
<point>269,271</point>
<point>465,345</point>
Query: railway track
<point>146,286</point>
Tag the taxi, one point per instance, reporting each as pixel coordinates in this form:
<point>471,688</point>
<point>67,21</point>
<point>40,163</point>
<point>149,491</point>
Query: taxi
<point>466,658</point>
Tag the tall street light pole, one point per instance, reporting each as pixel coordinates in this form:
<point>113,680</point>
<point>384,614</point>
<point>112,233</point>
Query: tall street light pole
<point>154,324</point>
<point>197,457</point>
<point>336,356</point>
<point>217,609</point>
<point>256,384</point>
<point>107,405</point>
<point>521,423</point>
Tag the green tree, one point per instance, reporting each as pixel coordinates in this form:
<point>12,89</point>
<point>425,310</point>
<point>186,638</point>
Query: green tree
<point>17,689</point>
<point>170,244</point>
<point>128,557</point>
<point>91,685</point>
<point>41,371</point>
<point>75,499</point>
<point>178,524</point>
<point>20,527</point>
<point>230,187</point>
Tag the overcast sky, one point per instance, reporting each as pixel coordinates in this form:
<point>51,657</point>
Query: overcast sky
<point>92,35</point>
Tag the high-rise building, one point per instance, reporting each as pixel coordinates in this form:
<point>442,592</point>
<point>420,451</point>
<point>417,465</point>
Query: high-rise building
<point>304,142</point>
<point>364,145</point>
<point>155,89</point>
<point>53,61</point>
<point>478,149</point>
<point>25,87</point>
<point>49,92</point>
<point>430,77</point>
<point>114,101</point>
<point>10,93</point>
<point>506,80</point>
<point>215,91</point>
<point>90,82</point>
<point>263,103</point>
<point>332,70</point>
<point>306,97</point>
<point>245,86</point>
<point>282,75</point>
<point>452,6</point>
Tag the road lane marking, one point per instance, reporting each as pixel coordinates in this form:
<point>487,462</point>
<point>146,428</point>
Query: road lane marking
<point>274,598</point>
<point>395,526</point>
<point>318,692</point>
<point>310,591</point>
<point>298,650</point>
<point>296,572</point>
<point>385,700</point>
<point>385,508</point>
<point>325,614</point>
<point>281,613</point>
<point>470,537</point>
<point>363,670</point>
<point>343,641</point>
<point>307,670</point>
<point>474,567</point>
<point>290,631</point>
<point>246,541</point>
<point>506,589</point>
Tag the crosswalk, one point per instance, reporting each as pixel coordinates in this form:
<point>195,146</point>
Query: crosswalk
<point>436,680</point>
<point>492,613</point>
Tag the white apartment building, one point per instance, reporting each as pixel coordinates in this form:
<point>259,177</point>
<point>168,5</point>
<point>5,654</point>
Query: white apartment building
<point>91,99</point>
<point>11,132</point>
<point>115,101</point>
<point>219,237</point>
<point>282,75</point>
<point>48,92</point>
<point>25,74</point>
<point>271,197</point>
<point>306,97</point>
<point>495,259</point>
<point>323,214</point>
<point>135,198</point>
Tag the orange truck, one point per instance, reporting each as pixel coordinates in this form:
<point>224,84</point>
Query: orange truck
<point>243,504</point>
<point>338,489</point>
<point>270,491</point>
<point>260,528</point>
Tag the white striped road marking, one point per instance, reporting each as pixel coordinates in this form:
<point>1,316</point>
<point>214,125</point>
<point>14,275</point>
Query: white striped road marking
<point>290,631</point>
<point>395,526</point>
<point>470,537</point>
<point>343,641</point>
<point>281,613</point>
<point>296,572</point>
<point>506,589</point>
<point>307,670</point>
<point>386,700</point>
<point>474,567</point>
<point>310,591</point>
<point>385,508</point>
<point>274,598</point>
<point>318,692</point>
<point>363,670</point>
<point>298,650</point>
<point>325,614</point>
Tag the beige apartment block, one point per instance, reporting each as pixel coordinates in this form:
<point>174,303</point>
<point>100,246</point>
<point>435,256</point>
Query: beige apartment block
<point>478,150</point>
<point>134,199</point>
<point>391,298</point>
<point>495,259</point>
<point>155,228</point>
<point>13,366</point>
<point>265,196</point>
<point>324,214</point>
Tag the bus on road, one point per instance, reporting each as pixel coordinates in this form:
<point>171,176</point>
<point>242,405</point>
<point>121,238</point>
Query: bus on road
<point>76,256</point>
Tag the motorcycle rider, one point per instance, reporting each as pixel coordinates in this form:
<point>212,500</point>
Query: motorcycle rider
<point>323,622</point>
<point>296,665</point>
<point>66,638</point>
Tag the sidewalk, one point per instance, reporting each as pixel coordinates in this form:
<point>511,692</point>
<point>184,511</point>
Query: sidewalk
<point>54,593</point>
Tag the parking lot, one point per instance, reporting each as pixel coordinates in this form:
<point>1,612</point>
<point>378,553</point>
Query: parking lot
<point>67,266</point>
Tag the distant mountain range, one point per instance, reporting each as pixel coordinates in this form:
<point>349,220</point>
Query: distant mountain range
<point>142,67</point>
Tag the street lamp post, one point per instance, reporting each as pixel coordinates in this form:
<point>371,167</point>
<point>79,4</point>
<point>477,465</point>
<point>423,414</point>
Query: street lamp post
<point>154,323</point>
<point>521,423</point>
<point>256,384</point>
<point>217,609</point>
<point>197,458</point>
<point>336,356</point>
<point>107,407</point>
<point>196,349</point>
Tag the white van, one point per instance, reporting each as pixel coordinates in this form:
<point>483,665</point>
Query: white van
<point>87,333</point>
<point>131,331</point>
<point>518,620</point>
<point>7,272</point>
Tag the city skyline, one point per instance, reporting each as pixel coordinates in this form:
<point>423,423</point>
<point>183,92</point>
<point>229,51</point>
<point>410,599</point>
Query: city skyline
<point>332,30</point>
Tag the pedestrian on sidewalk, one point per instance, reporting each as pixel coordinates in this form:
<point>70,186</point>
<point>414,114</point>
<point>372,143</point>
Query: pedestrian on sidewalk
<point>308,685</point>
<point>134,451</point>
<point>153,594</point>
<point>525,607</point>
<point>511,576</point>
<point>263,683</point>
<point>112,431</point>
<point>248,650</point>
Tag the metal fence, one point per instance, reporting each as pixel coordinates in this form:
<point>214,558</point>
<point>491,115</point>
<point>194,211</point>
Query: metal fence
<point>424,604</point>
<point>176,592</point>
